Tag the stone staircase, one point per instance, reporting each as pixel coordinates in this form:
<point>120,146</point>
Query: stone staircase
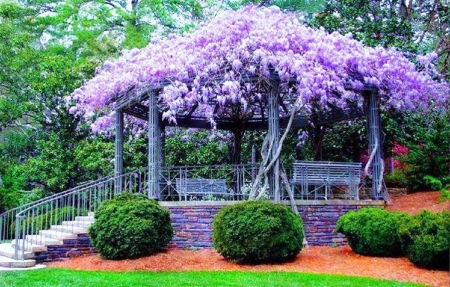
<point>38,243</point>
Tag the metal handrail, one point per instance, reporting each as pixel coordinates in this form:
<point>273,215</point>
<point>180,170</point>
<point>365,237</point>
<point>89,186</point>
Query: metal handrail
<point>68,206</point>
<point>10,215</point>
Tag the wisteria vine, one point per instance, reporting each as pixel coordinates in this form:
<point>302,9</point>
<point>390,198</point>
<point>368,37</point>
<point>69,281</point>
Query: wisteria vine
<point>313,66</point>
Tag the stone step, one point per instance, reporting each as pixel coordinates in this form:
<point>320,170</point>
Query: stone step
<point>84,224</point>
<point>69,229</point>
<point>6,262</point>
<point>8,251</point>
<point>29,247</point>
<point>42,240</point>
<point>57,234</point>
<point>85,218</point>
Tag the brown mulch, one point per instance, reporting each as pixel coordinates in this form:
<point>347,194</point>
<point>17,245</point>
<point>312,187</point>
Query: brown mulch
<point>329,260</point>
<point>415,202</point>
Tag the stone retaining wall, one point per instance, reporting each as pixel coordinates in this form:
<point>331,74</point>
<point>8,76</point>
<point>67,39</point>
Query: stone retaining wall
<point>70,248</point>
<point>192,222</point>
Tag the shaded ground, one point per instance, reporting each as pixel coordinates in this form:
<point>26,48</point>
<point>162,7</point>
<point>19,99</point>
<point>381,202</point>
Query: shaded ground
<point>330,260</point>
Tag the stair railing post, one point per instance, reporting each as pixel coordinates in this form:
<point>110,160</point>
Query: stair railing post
<point>16,238</point>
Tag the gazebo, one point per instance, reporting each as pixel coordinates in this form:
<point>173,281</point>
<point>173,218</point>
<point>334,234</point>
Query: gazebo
<point>256,68</point>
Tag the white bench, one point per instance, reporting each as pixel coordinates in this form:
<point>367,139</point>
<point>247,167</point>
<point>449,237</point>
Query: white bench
<point>317,178</point>
<point>201,187</point>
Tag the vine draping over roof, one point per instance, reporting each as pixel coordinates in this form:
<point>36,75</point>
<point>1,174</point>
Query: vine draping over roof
<point>225,68</point>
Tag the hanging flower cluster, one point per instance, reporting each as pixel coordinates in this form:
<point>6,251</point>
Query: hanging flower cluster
<point>210,68</point>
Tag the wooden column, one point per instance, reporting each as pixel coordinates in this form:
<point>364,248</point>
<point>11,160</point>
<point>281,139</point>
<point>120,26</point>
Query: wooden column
<point>375,142</point>
<point>154,148</point>
<point>274,134</point>
<point>118,160</point>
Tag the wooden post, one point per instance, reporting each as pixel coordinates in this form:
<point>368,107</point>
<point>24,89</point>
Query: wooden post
<point>118,160</point>
<point>274,135</point>
<point>154,148</point>
<point>375,142</point>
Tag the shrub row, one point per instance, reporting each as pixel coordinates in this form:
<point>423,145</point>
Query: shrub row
<point>131,226</point>
<point>423,238</point>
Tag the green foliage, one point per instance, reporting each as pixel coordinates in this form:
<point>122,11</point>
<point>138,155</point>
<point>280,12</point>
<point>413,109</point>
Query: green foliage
<point>130,226</point>
<point>373,24</point>
<point>305,6</point>
<point>194,148</point>
<point>256,232</point>
<point>428,140</point>
<point>426,239</point>
<point>372,231</point>
<point>396,179</point>
<point>445,194</point>
<point>406,25</point>
<point>53,165</point>
<point>95,158</point>
<point>436,184</point>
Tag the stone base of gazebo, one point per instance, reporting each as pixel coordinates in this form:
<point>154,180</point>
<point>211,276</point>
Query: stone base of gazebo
<point>192,220</point>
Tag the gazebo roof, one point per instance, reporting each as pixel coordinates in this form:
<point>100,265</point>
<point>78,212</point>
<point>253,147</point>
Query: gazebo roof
<point>131,103</point>
<point>222,72</point>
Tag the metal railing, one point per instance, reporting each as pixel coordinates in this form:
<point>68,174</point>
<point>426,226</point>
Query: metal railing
<point>48,220</point>
<point>29,225</point>
<point>8,218</point>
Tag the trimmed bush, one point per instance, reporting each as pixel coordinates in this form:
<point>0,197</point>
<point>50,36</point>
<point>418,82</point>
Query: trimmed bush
<point>426,239</point>
<point>257,232</point>
<point>130,226</point>
<point>372,231</point>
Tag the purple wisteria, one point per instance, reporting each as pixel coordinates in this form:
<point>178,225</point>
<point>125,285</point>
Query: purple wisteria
<point>210,65</point>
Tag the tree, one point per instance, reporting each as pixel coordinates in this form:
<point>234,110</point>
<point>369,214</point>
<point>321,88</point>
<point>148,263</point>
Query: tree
<point>428,140</point>
<point>47,49</point>
<point>412,26</point>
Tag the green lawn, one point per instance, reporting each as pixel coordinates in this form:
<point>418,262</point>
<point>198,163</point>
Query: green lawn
<point>50,277</point>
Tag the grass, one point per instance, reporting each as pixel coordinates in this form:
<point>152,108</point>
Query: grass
<point>50,277</point>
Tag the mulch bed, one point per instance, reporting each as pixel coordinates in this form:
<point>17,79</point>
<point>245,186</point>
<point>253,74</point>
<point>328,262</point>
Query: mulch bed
<point>329,260</point>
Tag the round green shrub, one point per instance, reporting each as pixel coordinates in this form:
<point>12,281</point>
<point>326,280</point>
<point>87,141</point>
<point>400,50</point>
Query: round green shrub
<point>257,232</point>
<point>372,231</point>
<point>130,226</point>
<point>426,239</point>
